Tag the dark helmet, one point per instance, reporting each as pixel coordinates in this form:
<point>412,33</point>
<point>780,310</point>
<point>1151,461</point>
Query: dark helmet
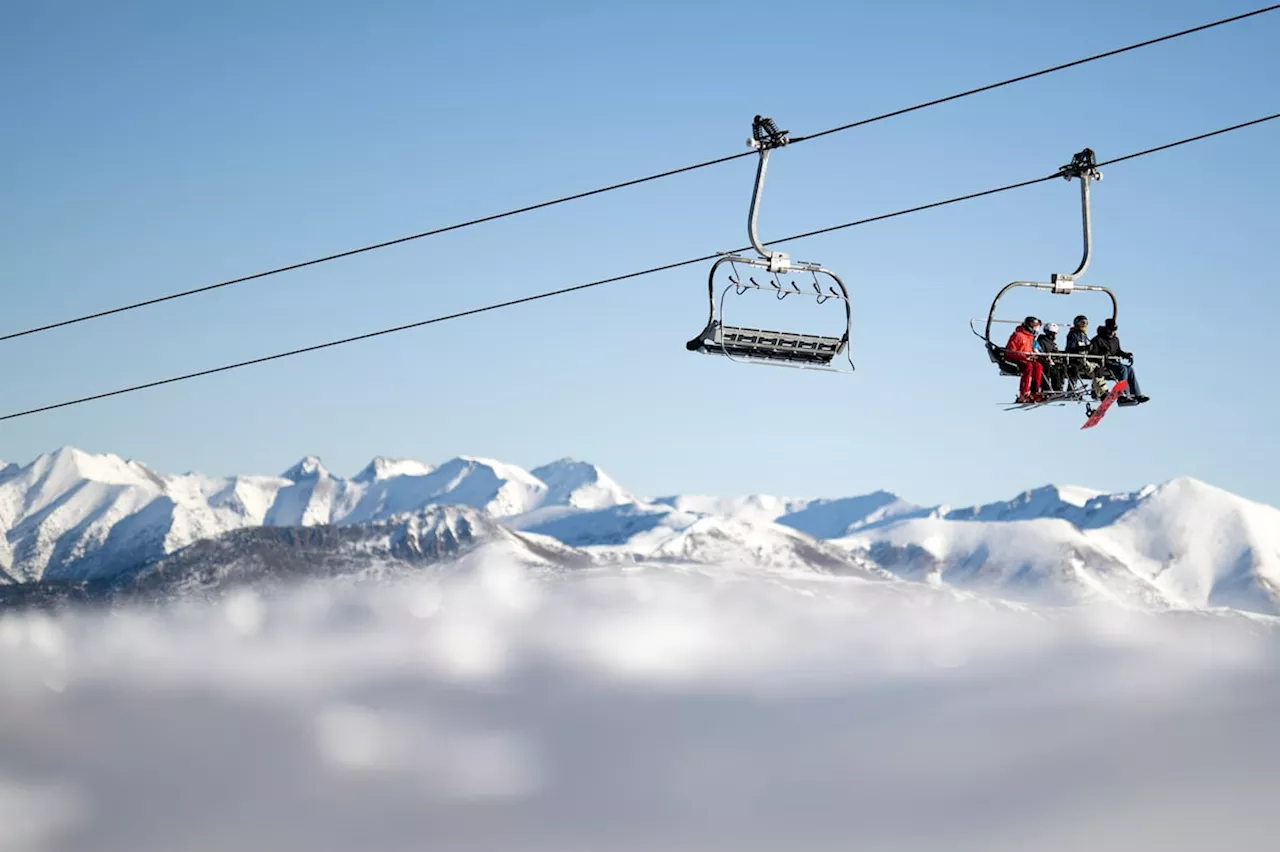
<point>1030,322</point>
<point>1080,320</point>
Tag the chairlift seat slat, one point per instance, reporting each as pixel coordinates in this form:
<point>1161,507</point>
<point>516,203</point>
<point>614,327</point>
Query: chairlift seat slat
<point>775,345</point>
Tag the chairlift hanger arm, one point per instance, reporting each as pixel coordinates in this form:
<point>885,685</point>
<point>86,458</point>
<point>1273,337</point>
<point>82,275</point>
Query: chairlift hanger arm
<point>765,136</point>
<point>1085,167</point>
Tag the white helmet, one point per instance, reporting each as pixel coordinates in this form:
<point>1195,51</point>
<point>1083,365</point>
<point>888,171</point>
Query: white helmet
<point>1051,328</point>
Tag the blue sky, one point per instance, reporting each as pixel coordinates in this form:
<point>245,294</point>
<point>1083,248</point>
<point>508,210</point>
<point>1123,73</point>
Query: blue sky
<point>152,147</point>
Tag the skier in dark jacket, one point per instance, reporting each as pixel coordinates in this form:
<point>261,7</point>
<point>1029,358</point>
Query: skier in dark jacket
<point>1055,371</point>
<point>1078,336</point>
<point>1082,368</point>
<point>1078,344</point>
<point>1107,345</point>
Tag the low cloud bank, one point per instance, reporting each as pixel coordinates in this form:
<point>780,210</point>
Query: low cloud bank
<point>641,709</point>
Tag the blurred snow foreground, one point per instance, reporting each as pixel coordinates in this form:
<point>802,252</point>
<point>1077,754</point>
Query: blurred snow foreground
<point>494,707</point>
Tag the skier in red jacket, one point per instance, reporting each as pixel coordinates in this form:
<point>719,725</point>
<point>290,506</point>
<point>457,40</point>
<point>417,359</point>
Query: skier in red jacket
<point>1020,350</point>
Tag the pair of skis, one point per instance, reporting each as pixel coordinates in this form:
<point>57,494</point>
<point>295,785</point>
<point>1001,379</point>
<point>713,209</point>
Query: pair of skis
<point>1094,414</point>
<point>1077,394</point>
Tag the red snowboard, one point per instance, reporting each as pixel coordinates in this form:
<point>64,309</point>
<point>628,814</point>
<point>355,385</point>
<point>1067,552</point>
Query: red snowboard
<point>1105,404</point>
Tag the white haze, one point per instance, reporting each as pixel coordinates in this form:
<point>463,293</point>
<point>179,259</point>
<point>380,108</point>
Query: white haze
<point>646,709</point>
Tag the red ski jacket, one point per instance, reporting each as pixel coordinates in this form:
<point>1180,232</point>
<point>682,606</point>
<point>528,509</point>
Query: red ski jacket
<point>1021,340</point>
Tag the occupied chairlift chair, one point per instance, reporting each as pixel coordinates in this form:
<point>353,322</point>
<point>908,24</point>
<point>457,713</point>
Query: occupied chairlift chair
<point>1082,166</point>
<point>758,346</point>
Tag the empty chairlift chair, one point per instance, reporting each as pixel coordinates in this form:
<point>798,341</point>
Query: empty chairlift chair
<point>782,277</point>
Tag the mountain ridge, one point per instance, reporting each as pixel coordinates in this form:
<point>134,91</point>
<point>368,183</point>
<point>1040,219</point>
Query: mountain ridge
<point>73,516</point>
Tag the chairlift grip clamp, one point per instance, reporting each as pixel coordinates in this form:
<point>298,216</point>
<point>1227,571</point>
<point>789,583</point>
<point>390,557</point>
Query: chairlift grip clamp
<point>765,134</point>
<point>1082,165</point>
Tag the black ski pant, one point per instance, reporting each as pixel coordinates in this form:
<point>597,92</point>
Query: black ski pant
<point>1055,373</point>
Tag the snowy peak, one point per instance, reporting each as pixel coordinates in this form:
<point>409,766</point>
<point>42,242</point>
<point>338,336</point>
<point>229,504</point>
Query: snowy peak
<point>578,484</point>
<point>309,500</point>
<point>634,527</point>
<point>1180,544</point>
<point>308,469</point>
<point>383,468</point>
<point>52,479</point>
<point>1076,495</point>
<point>441,532</point>
<point>1083,507</point>
<point>65,505</point>
<point>1044,561</point>
<point>836,518</point>
<point>754,507</point>
<point>497,488</point>
<point>1043,502</point>
<point>735,542</point>
<point>820,518</point>
<point>1203,545</point>
<point>1188,488</point>
<point>64,468</point>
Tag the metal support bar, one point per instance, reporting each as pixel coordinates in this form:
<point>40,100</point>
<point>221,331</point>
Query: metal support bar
<point>1084,167</point>
<point>778,261</point>
<point>765,136</point>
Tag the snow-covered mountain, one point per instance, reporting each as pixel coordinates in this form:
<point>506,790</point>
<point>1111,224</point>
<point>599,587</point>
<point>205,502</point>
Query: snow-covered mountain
<point>270,555</point>
<point>836,518</point>
<point>1180,544</point>
<point>70,515</point>
<point>74,516</point>
<point>583,486</point>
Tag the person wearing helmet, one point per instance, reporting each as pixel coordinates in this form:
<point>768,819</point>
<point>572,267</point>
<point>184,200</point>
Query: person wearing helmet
<point>1020,350</point>
<point>1080,367</point>
<point>1107,345</point>
<point>1078,336</point>
<point>1054,369</point>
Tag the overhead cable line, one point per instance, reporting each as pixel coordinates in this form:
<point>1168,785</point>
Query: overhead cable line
<point>629,276</point>
<point>634,182</point>
<point>1039,73</point>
